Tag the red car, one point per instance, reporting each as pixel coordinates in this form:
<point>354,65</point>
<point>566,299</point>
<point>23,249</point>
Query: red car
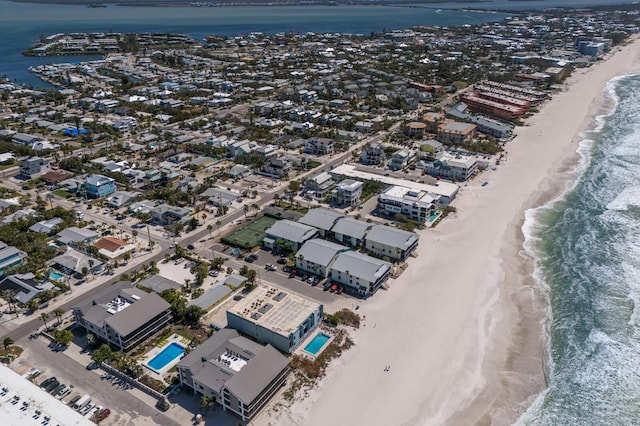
<point>333,288</point>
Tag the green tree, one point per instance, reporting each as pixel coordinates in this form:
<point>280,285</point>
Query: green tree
<point>63,337</point>
<point>7,342</point>
<point>294,186</point>
<point>245,209</point>
<point>193,314</point>
<point>193,223</point>
<point>218,223</point>
<point>102,354</point>
<point>44,317</point>
<point>217,263</point>
<point>209,228</point>
<point>207,401</point>
<point>58,312</point>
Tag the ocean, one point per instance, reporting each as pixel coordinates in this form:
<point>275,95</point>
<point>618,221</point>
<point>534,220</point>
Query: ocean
<point>588,248</point>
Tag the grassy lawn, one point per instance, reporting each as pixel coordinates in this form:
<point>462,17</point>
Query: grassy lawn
<point>13,351</point>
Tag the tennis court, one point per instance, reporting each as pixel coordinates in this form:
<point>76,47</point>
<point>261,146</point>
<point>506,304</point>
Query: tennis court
<point>251,235</point>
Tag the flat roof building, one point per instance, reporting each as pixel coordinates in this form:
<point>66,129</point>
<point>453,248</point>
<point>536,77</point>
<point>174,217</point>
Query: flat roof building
<point>447,191</point>
<point>242,375</point>
<point>270,315</point>
<point>414,204</point>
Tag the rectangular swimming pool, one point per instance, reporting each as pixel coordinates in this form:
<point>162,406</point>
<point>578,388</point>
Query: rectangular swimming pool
<point>167,355</point>
<point>314,346</point>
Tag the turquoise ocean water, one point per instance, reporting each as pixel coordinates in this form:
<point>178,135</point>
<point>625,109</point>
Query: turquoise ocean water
<point>588,250</point>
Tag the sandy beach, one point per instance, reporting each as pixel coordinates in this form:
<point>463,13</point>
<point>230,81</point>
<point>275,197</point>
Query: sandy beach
<point>463,327</point>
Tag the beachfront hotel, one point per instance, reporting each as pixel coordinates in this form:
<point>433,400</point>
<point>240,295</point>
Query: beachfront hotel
<point>414,204</point>
<point>273,316</point>
<point>241,374</point>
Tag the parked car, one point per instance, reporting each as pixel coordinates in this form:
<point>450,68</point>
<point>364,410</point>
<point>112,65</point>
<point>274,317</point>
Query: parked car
<point>339,290</point>
<point>287,269</point>
<point>190,247</point>
<point>213,273</point>
<point>179,261</point>
<point>333,288</point>
<point>270,267</point>
<point>55,391</point>
<point>189,264</point>
<point>326,286</point>
<point>51,386</point>
<point>311,280</point>
<point>249,259</point>
<point>283,261</point>
<point>46,382</point>
<point>253,256</point>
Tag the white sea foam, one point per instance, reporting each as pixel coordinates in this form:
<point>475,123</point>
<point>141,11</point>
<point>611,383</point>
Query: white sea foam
<point>629,196</point>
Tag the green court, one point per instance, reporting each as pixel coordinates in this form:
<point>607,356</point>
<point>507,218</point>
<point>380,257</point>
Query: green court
<point>251,235</point>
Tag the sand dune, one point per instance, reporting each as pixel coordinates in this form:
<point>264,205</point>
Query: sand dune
<point>463,327</point>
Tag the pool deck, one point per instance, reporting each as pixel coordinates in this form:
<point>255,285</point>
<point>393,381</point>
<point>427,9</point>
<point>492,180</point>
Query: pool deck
<point>174,338</point>
<point>306,355</point>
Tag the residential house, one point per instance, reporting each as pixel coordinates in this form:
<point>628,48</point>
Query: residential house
<point>386,241</point>
<point>240,374</point>
<point>74,236</point>
<point>98,186</point>
<point>113,248</point>
<point>402,159</point>
<point>72,262</point>
<point>347,193</point>
<point>46,226</point>
<point>290,233</point>
<point>24,287</point>
<point>415,128</point>
<point>279,318</point>
<point>322,219</point>
<point>372,154</point>
<point>166,214</point>
<point>319,146</point>
<point>316,256</point>
<point>10,257</point>
<point>359,274</point>
<point>122,315</point>
<point>277,167</point>
<point>412,203</point>
<point>24,139</point>
<point>319,184</point>
<point>121,198</point>
<point>239,171</point>
<point>220,197</point>
<point>33,167</point>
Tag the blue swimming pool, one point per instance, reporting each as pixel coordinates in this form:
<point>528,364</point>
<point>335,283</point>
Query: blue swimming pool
<point>55,276</point>
<point>314,346</point>
<point>167,355</point>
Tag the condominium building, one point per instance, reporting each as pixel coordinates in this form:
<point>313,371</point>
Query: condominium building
<point>452,167</point>
<point>122,315</point>
<point>270,315</point>
<point>414,204</point>
<point>242,375</point>
<point>386,241</point>
<point>358,273</point>
<point>372,154</point>
<point>402,159</point>
<point>10,257</point>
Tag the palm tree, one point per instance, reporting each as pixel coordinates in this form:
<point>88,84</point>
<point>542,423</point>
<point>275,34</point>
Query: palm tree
<point>245,209</point>
<point>58,312</point>
<point>218,223</point>
<point>209,228</point>
<point>255,207</point>
<point>10,297</point>
<point>45,316</point>
<point>8,341</point>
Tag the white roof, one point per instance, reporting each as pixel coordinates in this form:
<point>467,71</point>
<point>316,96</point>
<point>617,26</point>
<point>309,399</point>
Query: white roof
<point>38,400</point>
<point>444,189</point>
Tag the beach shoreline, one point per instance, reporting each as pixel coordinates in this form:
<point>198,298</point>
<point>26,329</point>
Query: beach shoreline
<point>464,327</point>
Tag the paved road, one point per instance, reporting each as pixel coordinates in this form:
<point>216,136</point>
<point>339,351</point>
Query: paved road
<point>193,236</point>
<point>66,369</point>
